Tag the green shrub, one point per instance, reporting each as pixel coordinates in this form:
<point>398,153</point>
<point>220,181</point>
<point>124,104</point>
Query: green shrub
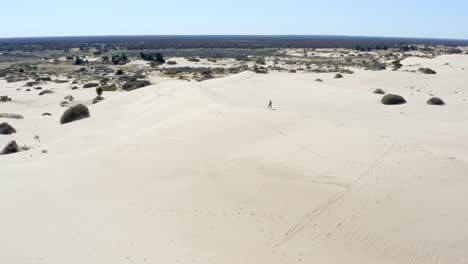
<point>393,99</point>
<point>99,91</point>
<point>91,85</point>
<point>74,113</point>
<point>133,85</point>
<point>427,71</point>
<point>435,101</point>
<point>379,91</point>
<point>6,129</point>
<point>10,148</point>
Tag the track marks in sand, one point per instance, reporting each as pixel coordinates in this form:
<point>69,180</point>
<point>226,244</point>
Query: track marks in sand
<point>411,254</point>
<point>311,216</point>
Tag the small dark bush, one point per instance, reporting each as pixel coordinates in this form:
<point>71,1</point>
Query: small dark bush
<point>171,63</point>
<point>119,72</point>
<point>90,85</point>
<point>193,59</point>
<point>338,76</point>
<point>99,91</point>
<point>31,84</point>
<point>393,99</point>
<point>44,79</point>
<point>133,85</point>
<point>319,80</point>
<point>119,59</point>
<point>427,71</point>
<point>46,92</point>
<point>10,148</point>
<point>156,57</point>
<point>79,61</point>
<point>6,129</point>
<point>435,101</point>
<point>74,113</point>
<point>98,99</point>
<point>5,98</point>
<point>379,91</point>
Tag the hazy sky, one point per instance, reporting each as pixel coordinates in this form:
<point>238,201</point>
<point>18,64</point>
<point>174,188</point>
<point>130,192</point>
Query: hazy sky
<point>414,18</point>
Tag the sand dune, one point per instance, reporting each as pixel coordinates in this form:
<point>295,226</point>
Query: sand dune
<point>184,172</point>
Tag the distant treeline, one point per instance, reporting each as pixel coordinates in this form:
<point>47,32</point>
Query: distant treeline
<point>104,43</point>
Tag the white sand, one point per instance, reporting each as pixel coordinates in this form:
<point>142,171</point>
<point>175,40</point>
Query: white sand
<point>203,173</point>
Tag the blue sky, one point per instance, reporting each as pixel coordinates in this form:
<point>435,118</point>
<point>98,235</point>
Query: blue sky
<point>397,18</point>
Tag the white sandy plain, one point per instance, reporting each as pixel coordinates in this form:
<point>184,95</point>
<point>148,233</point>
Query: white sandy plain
<point>185,172</point>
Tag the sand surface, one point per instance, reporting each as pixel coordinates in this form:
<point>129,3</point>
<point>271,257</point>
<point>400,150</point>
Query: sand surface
<point>186,172</point>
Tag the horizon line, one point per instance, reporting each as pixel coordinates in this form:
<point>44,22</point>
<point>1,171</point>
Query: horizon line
<point>234,35</point>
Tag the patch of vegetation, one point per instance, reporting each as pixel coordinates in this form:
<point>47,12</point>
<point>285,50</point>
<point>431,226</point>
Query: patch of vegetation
<point>153,57</point>
<point>90,85</point>
<point>393,99</point>
<point>379,91</point>
<point>120,59</point>
<point>397,64</point>
<point>11,148</point>
<point>6,129</point>
<point>74,113</point>
<point>136,84</point>
<point>435,101</point>
<point>427,71</point>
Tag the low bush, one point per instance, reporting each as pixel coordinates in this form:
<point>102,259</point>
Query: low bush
<point>435,101</point>
<point>393,99</point>
<point>427,71</point>
<point>90,85</point>
<point>6,129</point>
<point>379,91</point>
<point>74,113</point>
<point>133,85</point>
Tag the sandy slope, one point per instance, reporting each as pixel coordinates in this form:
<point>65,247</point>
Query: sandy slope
<point>204,173</point>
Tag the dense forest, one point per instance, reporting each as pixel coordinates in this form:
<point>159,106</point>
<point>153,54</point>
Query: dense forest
<point>188,42</point>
